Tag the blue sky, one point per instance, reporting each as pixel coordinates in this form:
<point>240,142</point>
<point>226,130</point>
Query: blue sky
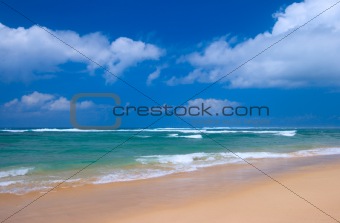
<point>169,51</point>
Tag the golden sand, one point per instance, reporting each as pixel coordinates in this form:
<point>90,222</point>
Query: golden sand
<point>236,193</point>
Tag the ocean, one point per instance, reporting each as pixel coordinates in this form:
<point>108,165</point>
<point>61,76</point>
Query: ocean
<point>39,159</point>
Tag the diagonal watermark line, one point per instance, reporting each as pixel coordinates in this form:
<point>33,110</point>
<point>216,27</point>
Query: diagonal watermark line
<point>163,116</point>
<point>261,171</point>
<point>80,170</point>
<point>262,51</point>
<point>76,50</point>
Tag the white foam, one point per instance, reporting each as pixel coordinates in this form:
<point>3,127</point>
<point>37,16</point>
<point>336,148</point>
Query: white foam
<point>223,130</point>
<point>208,128</point>
<point>192,136</point>
<point>175,135</point>
<point>143,136</point>
<point>68,130</point>
<point>29,185</point>
<point>227,157</point>
<point>174,159</point>
<point>125,175</point>
<point>8,183</point>
<point>317,152</point>
<point>61,181</point>
<point>280,133</point>
<point>23,190</point>
<point>192,131</point>
<point>54,130</point>
<point>287,133</point>
<point>153,166</point>
<point>13,130</point>
<point>217,130</point>
<point>15,172</point>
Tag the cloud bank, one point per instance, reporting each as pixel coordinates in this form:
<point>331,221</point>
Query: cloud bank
<point>37,101</point>
<point>32,53</point>
<point>309,57</point>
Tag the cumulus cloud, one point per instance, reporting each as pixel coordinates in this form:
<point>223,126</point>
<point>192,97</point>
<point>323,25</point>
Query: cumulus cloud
<point>309,57</point>
<point>37,101</point>
<point>215,104</point>
<point>153,76</point>
<point>60,104</point>
<point>32,53</point>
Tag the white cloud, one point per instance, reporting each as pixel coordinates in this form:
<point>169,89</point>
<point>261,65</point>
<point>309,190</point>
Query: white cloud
<point>60,104</point>
<point>37,101</point>
<point>11,103</point>
<point>309,57</point>
<point>153,76</point>
<point>85,104</point>
<point>215,104</point>
<point>32,53</point>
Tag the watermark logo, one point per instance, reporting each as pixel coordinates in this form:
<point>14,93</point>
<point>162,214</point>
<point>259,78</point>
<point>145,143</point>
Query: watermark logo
<point>192,111</point>
<point>199,111</point>
<point>73,111</point>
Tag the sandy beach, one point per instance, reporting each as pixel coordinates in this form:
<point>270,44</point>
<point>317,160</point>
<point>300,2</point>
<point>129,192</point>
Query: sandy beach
<point>229,193</point>
<point>170,112</point>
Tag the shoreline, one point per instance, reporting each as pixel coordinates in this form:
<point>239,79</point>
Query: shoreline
<point>185,194</point>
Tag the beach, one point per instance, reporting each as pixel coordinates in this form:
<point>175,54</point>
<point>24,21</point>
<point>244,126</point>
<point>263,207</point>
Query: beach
<point>170,112</point>
<point>225,193</point>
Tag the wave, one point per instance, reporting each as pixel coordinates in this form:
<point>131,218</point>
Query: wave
<point>279,133</point>
<point>216,130</point>
<point>192,136</point>
<point>204,159</point>
<point>161,165</point>
<point>151,166</point>
<point>175,159</point>
<point>125,175</point>
<point>288,133</point>
<point>185,136</point>
<point>20,187</point>
<point>20,190</point>
<point>318,152</point>
<point>15,172</point>
<point>13,130</point>
<point>7,183</point>
<point>68,130</point>
<point>179,130</point>
<point>54,130</point>
<point>228,157</point>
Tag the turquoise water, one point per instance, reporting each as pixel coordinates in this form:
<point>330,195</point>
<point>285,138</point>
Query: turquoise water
<point>37,159</point>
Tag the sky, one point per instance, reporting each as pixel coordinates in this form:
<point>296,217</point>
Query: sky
<point>156,53</point>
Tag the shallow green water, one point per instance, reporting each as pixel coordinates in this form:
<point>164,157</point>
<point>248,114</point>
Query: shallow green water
<point>37,159</point>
